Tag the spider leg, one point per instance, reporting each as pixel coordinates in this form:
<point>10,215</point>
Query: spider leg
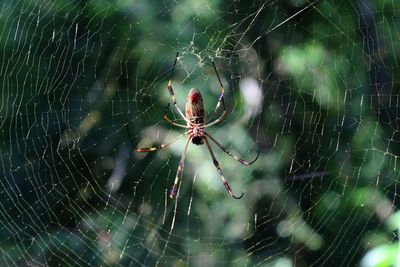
<point>227,187</point>
<point>171,121</point>
<point>171,91</point>
<point>174,123</point>
<point>220,98</point>
<point>230,154</point>
<point>217,120</point>
<point>180,170</point>
<point>149,149</point>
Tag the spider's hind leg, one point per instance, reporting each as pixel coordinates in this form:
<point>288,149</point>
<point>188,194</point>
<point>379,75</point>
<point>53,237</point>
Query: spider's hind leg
<point>224,181</point>
<point>180,171</point>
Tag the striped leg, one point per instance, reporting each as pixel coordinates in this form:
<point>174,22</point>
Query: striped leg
<point>180,171</point>
<point>171,121</point>
<point>217,120</point>
<point>149,149</point>
<point>230,154</point>
<point>220,98</point>
<point>174,123</point>
<point>227,187</point>
<point>171,91</point>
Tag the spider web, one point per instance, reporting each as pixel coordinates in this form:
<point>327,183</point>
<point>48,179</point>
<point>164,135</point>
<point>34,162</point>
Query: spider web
<point>311,85</point>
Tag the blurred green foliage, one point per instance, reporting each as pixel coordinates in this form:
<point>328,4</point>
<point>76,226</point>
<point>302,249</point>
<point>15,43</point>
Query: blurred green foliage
<point>76,74</point>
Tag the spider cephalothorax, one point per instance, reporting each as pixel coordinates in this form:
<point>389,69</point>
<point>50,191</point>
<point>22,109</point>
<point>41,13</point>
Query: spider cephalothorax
<point>196,124</point>
<point>197,135</point>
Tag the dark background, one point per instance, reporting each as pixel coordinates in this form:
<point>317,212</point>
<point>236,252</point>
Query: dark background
<point>312,85</point>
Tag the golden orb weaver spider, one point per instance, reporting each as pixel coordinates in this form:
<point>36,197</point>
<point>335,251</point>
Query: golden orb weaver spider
<point>196,125</point>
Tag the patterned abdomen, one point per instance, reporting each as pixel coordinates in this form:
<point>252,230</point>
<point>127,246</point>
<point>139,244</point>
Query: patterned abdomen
<point>194,107</point>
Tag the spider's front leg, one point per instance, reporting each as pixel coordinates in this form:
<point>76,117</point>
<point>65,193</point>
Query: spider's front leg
<point>220,100</point>
<point>171,90</point>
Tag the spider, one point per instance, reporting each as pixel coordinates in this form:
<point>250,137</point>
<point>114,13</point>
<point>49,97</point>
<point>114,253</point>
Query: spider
<point>196,124</point>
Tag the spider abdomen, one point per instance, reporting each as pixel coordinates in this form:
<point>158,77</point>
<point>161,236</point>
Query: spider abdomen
<point>195,116</point>
<point>194,107</point>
